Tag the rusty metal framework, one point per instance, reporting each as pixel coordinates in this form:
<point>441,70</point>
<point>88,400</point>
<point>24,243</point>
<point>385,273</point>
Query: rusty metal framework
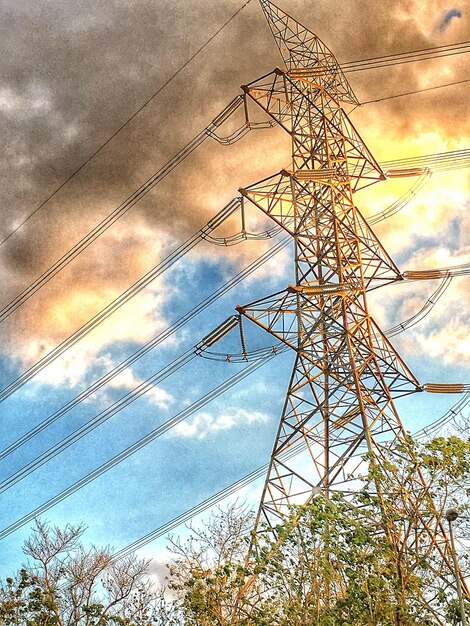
<point>340,399</point>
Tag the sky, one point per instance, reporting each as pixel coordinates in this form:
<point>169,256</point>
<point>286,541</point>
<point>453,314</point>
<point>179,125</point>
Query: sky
<point>72,74</point>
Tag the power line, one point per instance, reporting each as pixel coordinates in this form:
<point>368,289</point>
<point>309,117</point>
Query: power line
<point>170,369</point>
<point>416,91</point>
<point>407,57</point>
<point>252,477</point>
<point>115,408</point>
<point>402,201</point>
<point>155,341</point>
<point>162,336</point>
<point>154,434</point>
<point>418,52</point>
<point>98,420</point>
<point>436,162</point>
<point>351,66</point>
<point>450,160</point>
<point>404,62</point>
<point>139,110</point>
<point>424,311</point>
<point>436,427</point>
<point>129,293</point>
<point>115,215</point>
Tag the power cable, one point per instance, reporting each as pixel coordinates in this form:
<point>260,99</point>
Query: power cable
<point>423,312</point>
<point>406,58</point>
<point>116,132</point>
<point>416,91</point>
<point>133,290</point>
<point>190,513</point>
<point>155,341</point>
<point>436,427</point>
<point>401,202</point>
<point>159,269</point>
<point>107,222</point>
<point>441,272</point>
<point>99,419</point>
<point>110,219</point>
<point>438,162</point>
<point>430,387</point>
<point>256,474</point>
<point>417,52</point>
<point>347,67</point>
<point>158,377</point>
<point>154,434</point>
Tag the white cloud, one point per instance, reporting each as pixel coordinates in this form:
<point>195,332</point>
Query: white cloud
<point>204,424</point>
<point>34,100</point>
<point>78,300</point>
<point>128,380</point>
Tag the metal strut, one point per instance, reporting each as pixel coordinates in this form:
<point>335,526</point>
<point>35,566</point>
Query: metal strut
<point>340,401</point>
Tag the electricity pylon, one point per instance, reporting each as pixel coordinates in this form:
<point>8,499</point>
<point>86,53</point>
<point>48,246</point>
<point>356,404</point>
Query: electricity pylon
<point>340,400</point>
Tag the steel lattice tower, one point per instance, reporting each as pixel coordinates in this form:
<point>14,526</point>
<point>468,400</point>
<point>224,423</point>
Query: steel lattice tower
<point>340,399</point>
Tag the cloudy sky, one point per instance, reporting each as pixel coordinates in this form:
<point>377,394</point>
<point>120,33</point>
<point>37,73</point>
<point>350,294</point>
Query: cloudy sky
<point>73,73</point>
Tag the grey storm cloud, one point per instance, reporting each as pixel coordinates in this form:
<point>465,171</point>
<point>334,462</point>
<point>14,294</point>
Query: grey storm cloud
<point>447,18</point>
<point>73,72</point>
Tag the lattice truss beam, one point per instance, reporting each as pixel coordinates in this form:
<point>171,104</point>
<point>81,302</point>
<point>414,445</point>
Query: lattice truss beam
<point>340,399</point>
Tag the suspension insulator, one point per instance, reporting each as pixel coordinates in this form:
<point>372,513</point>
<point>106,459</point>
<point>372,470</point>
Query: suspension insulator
<point>219,332</point>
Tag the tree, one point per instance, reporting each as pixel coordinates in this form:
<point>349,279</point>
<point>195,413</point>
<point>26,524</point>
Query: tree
<point>338,566</point>
<point>64,584</point>
<point>209,569</point>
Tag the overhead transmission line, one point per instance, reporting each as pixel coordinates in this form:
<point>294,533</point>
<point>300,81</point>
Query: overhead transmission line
<point>149,277</point>
<point>415,91</point>
<point>118,130</point>
<point>434,162</point>
<point>443,161</point>
<point>155,341</point>
<point>154,434</point>
<point>401,58</point>
<point>144,281</point>
<point>162,374</point>
<point>103,226</point>
<point>437,162</point>
<point>162,336</point>
<point>98,420</point>
<point>424,311</point>
<point>133,395</point>
<point>369,65</point>
<point>402,201</point>
<point>248,479</point>
<point>433,428</point>
<point>352,66</point>
<point>175,365</point>
<point>138,392</point>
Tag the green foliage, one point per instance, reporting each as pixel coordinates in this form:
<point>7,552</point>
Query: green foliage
<point>359,559</point>
<point>335,569</point>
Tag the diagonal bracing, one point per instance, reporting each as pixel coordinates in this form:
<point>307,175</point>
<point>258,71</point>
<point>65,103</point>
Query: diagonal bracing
<point>339,406</point>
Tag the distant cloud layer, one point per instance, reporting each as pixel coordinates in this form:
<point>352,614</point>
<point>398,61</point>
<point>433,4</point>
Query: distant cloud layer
<point>448,17</point>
